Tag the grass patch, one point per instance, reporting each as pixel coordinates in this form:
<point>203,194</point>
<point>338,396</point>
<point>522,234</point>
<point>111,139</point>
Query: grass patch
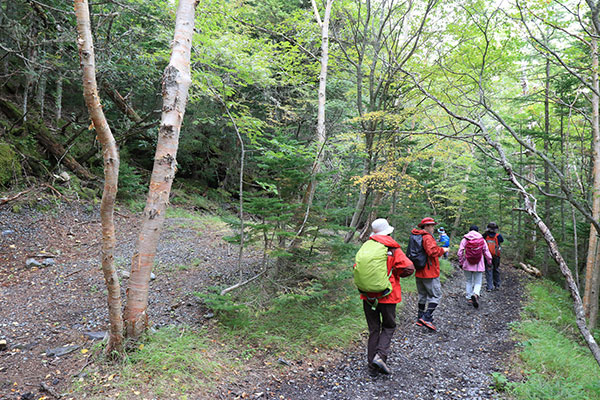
<point>174,362</point>
<point>325,314</point>
<point>555,361</point>
<point>293,325</point>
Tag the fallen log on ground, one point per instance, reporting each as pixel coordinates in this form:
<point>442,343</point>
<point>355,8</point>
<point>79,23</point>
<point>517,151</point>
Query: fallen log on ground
<point>529,269</point>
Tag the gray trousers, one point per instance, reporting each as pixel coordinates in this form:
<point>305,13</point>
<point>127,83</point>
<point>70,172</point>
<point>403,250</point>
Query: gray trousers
<point>429,289</point>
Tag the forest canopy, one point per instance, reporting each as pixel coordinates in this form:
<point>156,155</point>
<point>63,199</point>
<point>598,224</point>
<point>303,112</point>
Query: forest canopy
<point>428,105</point>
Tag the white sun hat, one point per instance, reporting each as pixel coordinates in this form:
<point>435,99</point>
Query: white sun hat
<point>381,227</point>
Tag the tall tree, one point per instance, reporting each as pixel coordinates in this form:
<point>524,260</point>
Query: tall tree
<point>382,37</point>
<point>321,135</point>
<point>111,174</point>
<point>176,83</point>
<point>592,279</point>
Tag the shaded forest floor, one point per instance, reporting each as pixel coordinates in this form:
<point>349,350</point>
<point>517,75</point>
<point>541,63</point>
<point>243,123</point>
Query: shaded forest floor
<point>60,304</point>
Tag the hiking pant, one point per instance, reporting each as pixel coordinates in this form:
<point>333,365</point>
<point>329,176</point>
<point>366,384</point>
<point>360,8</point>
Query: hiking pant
<point>429,289</point>
<point>473,280</point>
<point>382,324</point>
<point>492,274</point>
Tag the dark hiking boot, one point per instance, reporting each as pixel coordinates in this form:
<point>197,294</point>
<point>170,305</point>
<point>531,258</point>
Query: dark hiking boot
<point>419,316</point>
<point>378,361</point>
<point>475,300</point>
<point>373,370</point>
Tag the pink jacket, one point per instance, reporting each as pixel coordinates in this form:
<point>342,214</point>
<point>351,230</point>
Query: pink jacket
<point>462,259</point>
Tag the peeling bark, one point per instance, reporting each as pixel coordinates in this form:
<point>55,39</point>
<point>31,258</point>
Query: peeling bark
<point>111,175</point>
<point>176,83</point>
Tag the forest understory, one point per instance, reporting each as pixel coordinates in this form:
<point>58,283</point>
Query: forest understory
<point>59,306</point>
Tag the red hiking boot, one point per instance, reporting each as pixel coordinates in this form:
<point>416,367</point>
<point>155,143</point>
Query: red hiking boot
<point>428,322</point>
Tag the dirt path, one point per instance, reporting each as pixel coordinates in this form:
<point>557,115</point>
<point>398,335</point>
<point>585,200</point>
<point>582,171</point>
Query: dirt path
<point>456,362</point>
<point>56,305</point>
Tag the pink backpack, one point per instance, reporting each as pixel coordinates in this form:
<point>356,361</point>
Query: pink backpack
<point>474,250</point>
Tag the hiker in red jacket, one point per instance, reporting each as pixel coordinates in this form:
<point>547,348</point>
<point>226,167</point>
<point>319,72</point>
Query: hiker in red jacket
<point>382,320</point>
<point>429,287</point>
<point>492,270</point>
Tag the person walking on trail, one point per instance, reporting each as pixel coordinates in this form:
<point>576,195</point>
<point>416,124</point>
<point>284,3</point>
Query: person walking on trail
<point>427,276</point>
<point>380,259</point>
<point>443,240</point>
<point>494,241</point>
<point>473,255</point>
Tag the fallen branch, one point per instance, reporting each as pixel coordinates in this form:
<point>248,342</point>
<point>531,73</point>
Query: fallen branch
<point>237,285</point>
<point>4,200</point>
<point>529,269</point>
<point>73,273</point>
<point>44,387</point>
<point>53,189</point>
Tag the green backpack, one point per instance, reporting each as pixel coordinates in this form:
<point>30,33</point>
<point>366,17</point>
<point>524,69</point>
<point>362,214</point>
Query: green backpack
<point>370,271</point>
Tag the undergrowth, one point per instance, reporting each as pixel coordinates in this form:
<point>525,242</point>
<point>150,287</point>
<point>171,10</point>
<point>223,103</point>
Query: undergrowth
<point>555,361</point>
<point>174,362</point>
<point>324,315</point>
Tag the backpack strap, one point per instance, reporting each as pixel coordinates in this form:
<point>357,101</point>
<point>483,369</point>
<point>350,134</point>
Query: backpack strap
<point>374,301</point>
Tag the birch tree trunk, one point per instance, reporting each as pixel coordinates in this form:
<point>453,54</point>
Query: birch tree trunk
<point>545,266</point>
<point>590,297</point>
<point>111,174</point>
<point>176,82</point>
<point>321,132</point>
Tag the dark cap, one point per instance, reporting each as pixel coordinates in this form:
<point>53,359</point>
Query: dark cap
<point>474,228</point>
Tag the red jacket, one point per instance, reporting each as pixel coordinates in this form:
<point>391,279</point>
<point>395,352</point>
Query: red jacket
<point>398,262</point>
<point>433,251</point>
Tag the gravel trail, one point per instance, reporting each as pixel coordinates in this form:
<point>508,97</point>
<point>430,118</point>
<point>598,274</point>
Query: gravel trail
<point>456,362</point>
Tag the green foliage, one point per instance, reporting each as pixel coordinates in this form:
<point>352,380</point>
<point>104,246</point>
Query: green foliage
<point>499,381</point>
<point>171,360</point>
<point>131,182</point>
<point>317,314</point>
<point>556,362</point>
<point>10,168</point>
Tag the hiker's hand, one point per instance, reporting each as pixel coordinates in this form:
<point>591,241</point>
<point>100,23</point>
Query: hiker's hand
<point>446,249</point>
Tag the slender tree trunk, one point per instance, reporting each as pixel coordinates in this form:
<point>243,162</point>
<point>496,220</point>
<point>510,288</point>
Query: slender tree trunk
<point>364,192</point>
<point>377,199</point>
<point>41,94</point>
<point>545,267</point>
<point>321,133</point>
<point>26,95</point>
<point>59,94</point>
<point>575,248</point>
<point>111,174</point>
<point>590,297</point>
<point>176,82</point>
<point>529,203</point>
<point>461,205</point>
